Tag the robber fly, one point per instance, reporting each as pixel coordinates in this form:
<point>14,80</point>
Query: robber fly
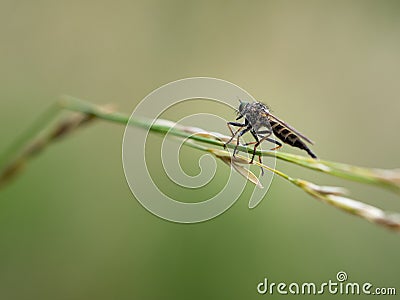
<point>261,124</point>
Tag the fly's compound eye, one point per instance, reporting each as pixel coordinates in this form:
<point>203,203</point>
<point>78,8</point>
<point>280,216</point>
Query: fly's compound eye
<point>242,106</point>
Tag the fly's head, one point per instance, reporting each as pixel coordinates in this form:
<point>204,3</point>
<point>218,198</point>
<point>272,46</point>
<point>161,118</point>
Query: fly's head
<point>243,107</point>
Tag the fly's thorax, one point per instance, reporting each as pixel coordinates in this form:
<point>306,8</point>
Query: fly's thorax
<point>257,114</point>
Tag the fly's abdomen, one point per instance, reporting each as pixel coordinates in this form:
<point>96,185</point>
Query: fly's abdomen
<point>290,138</point>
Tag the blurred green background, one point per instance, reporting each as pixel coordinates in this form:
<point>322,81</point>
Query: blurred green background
<point>69,225</point>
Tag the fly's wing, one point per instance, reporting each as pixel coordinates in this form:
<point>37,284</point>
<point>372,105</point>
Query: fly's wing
<point>291,128</point>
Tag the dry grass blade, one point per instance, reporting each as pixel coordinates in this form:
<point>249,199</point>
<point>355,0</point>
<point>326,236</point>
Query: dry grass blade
<point>38,144</point>
<point>354,207</point>
<point>237,165</point>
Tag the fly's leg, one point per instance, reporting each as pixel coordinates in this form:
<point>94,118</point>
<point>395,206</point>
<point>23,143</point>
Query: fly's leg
<point>236,124</point>
<point>240,125</point>
<point>256,136</point>
<point>240,134</point>
<point>279,145</point>
<point>257,144</point>
<point>255,148</point>
<point>253,133</point>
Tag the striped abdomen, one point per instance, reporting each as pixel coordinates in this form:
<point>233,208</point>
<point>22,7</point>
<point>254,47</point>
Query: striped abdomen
<point>289,137</point>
